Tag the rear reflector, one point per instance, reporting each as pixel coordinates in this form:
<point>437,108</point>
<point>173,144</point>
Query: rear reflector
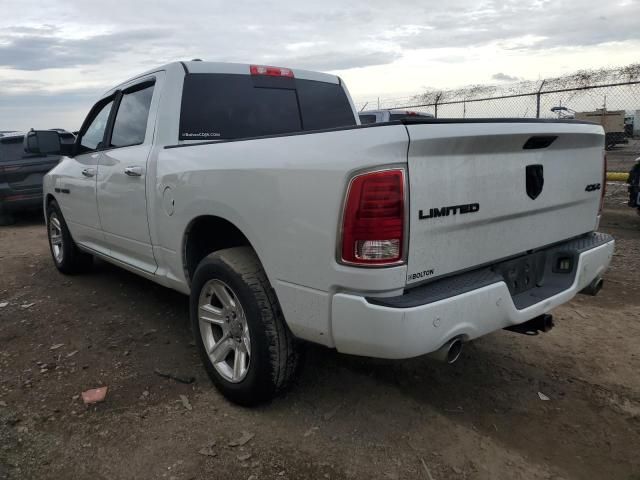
<point>271,71</point>
<point>373,219</point>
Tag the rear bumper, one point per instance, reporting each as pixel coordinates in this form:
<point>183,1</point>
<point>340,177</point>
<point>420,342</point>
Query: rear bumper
<point>362,327</point>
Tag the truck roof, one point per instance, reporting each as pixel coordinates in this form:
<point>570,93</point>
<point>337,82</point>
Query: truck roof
<point>198,66</point>
<point>5,134</point>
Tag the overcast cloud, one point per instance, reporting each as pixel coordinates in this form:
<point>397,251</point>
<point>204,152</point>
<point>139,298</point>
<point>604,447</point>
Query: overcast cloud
<point>503,77</point>
<point>28,48</point>
<point>56,57</point>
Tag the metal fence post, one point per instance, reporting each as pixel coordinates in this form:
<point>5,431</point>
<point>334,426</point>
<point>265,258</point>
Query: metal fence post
<point>538,95</point>
<point>436,105</point>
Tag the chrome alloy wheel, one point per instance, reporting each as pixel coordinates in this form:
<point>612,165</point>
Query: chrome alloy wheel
<point>224,330</point>
<point>55,237</point>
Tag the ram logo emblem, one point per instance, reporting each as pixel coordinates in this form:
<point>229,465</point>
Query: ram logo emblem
<point>535,180</point>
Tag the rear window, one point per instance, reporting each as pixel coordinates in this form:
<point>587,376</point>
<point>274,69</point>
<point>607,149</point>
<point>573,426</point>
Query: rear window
<point>364,119</point>
<point>11,149</point>
<point>227,106</point>
<point>399,116</point>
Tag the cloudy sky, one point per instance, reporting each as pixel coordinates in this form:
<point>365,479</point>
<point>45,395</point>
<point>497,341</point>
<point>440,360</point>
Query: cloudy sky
<point>56,57</point>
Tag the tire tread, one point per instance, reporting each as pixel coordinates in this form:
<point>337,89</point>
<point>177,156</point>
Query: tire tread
<point>284,352</point>
<point>74,260</point>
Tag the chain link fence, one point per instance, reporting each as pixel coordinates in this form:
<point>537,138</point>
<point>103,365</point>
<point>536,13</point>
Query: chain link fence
<point>610,97</point>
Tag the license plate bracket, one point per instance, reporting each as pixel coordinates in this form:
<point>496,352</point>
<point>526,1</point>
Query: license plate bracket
<point>523,273</point>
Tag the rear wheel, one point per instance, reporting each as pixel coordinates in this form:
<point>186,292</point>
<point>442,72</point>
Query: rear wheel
<point>245,345</point>
<point>67,257</point>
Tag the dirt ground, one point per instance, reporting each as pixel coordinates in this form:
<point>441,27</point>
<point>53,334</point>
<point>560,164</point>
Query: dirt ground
<point>347,417</point>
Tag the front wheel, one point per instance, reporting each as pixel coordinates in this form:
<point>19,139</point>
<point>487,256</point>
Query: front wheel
<point>245,345</point>
<point>66,255</point>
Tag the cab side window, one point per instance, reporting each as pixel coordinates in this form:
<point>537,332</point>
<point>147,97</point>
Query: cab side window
<point>130,125</point>
<point>92,138</point>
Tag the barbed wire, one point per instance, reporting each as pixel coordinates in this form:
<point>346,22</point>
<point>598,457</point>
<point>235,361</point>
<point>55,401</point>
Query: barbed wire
<point>579,80</point>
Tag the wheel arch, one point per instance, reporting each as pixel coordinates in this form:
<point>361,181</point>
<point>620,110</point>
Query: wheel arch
<point>48,199</point>
<point>206,234</point>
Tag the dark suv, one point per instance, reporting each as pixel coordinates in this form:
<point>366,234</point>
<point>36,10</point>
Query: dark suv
<point>21,174</point>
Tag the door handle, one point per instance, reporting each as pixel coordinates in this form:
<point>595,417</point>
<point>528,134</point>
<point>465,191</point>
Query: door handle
<point>89,172</point>
<point>133,171</point>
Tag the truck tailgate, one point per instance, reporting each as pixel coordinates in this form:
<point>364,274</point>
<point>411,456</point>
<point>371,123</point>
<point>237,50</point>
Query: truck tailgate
<point>485,191</point>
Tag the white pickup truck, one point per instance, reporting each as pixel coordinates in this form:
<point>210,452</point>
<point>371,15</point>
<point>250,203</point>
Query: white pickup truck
<point>256,191</point>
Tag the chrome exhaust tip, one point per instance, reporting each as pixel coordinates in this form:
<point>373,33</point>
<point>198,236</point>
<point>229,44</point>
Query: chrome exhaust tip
<point>450,352</point>
<point>593,288</point>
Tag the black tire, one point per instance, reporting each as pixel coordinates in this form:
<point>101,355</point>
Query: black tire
<point>274,352</point>
<point>6,217</point>
<point>72,260</point>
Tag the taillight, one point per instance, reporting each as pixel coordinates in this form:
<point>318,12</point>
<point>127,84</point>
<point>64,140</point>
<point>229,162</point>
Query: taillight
<point>270,71</point>
<point>373,219</point>
<point>604,183</point>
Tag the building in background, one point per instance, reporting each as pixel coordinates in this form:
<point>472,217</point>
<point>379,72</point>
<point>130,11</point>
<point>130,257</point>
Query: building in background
<point>611,120</point>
